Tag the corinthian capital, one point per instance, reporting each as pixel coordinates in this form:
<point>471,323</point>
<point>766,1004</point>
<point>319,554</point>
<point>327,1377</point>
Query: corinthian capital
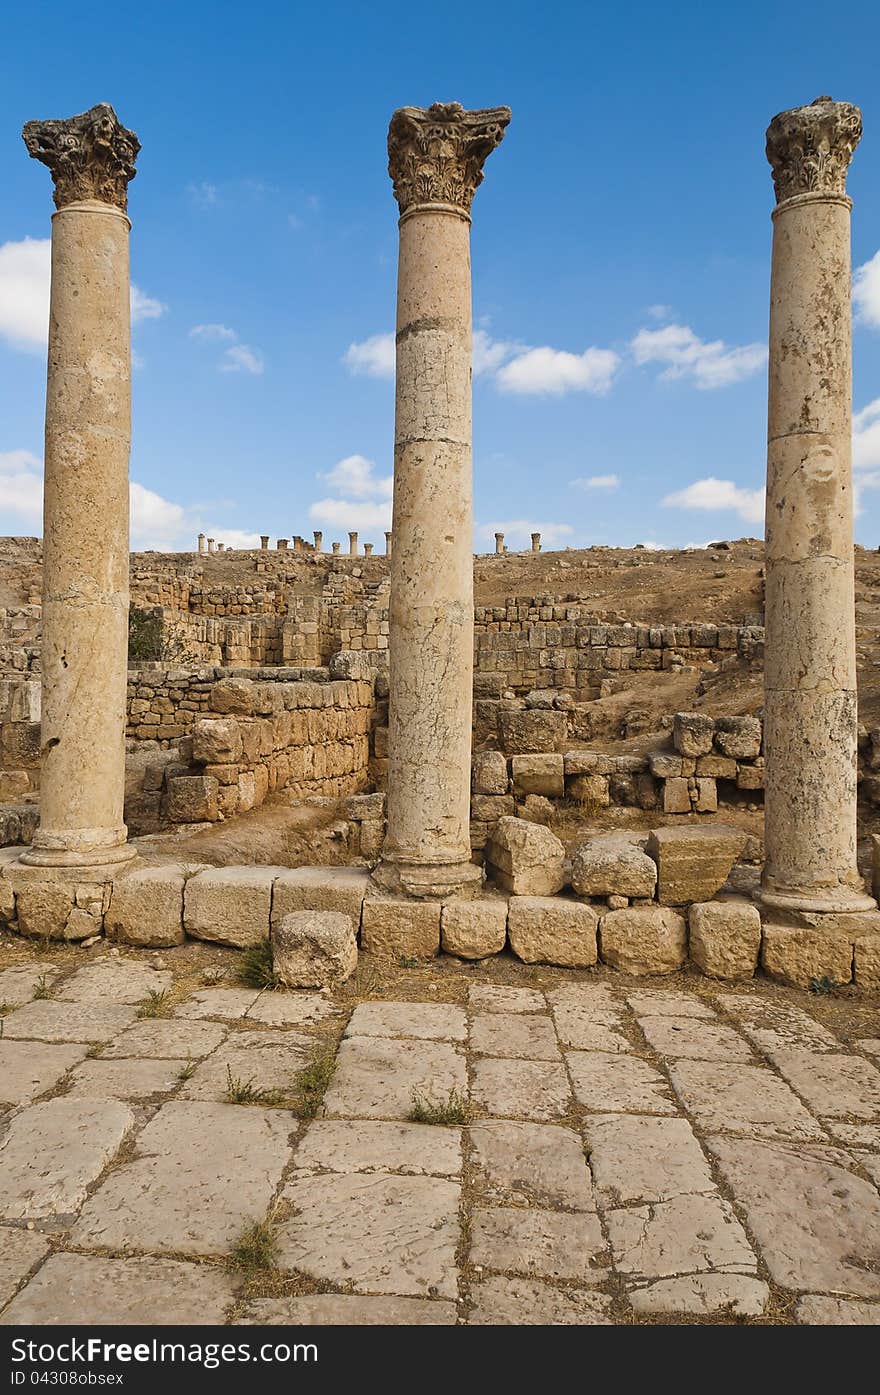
<point>437,155</point>
<point>809,148</point>
<point>90,156</point>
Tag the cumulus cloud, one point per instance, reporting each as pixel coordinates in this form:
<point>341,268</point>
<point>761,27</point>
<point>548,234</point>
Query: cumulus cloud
<point>208,334</point>
<point>359,501</point>
<point>866,291</point>
<point>553,372</point>
<point>518,531</point>
<point>21,488</point>
<point>371,358</point>
<point>866,437</point>
<point>682,354</point>
<point>597,482</point>
<point>355,475</point>
<point>713,495</point>
<point>25,274</point>
<point>241,358</point>
<point>352,515</point>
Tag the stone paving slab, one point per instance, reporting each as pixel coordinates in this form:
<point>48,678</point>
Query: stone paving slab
<point>742,1099</point>
<point>605,1083</point>
<point>428,1150</point>
<point>525,1036</point>
<point>377,1078</point>
<point>588,1017</point>
<point>227,1003</point>
<point>520,1302</point>
<point>701,1295</point>
<point>264,1060</point>
<point>772,1026</point>
<point>681,1236</point>
<point>126,1079</point>
<point>52,1151</point>
<point>114,981</point>
<point>425,1021</point>
<point>833,1085</point>
<point>118,1292</point>
<point>20,1251</point>
<point>817,1309</point>
<point>18,984</point>
<point>661,1002</point>
<point>816,1223</point>
<point>49,1020</point>
<point>179,1197</point>
<point>694,1038</point>
<point>857,1135</point>
<point>543,1244</point>
<point>279,1009</point>
<point>521,1089</point>
<point>349,1310</point>
<point>379,1233</point>
<point>487,997</point>
<point>166,1039</point>
<point>638,1158</point>
<point>539,1164</point>
<point>30,1068</point>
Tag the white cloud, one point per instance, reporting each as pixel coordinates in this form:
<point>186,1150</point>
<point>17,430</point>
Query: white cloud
<point>240,358</point>
<point>21,487</point>
<point>598,482</point>
<point>555,371</point>
<point>659,312</point>
<point>519,531</point>
<point>683,354</point>
<point>715,495</point>
<point>489,353</point>
<point>354,475</point>
<point>155,522</point>
<point>371,358</point>
<point>866,291</point>
<point>203,194</point>
<point>654,546</point>
<point>866,437</point>
<point>352,515</point>
<point>236,538</point>
<point>211,333</point>
<point>25,275</point>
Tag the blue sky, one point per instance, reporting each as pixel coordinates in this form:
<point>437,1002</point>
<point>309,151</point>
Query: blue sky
<point>620,249</point>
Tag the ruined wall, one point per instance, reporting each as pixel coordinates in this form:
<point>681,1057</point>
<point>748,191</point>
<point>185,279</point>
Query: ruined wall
<point>164,703</point>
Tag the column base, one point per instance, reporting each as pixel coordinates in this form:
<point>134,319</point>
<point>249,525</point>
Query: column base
<point>429,881</point>
<point>841,900</point>
<point>96,863</point>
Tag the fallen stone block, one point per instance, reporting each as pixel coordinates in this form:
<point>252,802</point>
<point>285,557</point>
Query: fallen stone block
<point>339,889</point>
<point>725,938</point>
<point>866,961</point>
<point>193,799</point>
<point>146,907</point>
<point>553,930</point>
<point>612,866</point>
<point>474,929</point>
<point>693,863</point>
<point>738,737</point>
<point>799,956</point>
<point>489,773</point>
<point>537,809</point>
<point>523,733</point>
<point>538,775</point>
<point>649,940</point>
<point>488,808</point>
<point>707,795</point>
<point>394,928</point>
<point>592,790</point>
<point>314,949</point>
<point>230,905</point>
<point>692,733</point>
<point>525,858</point>
<point>676,796</point>
<point>216,741</point>
<point>234,695</point>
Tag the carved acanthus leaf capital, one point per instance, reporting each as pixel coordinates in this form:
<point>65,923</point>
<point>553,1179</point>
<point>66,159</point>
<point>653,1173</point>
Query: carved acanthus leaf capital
<point>90,156</point>
<point>436,155</point>
<point>809,148</point>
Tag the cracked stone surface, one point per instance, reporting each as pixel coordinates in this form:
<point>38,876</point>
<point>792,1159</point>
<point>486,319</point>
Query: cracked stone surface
<point>610,1154</point>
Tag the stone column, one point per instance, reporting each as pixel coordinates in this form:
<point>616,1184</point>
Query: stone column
<point>368,549</point>
<point>281,544</point>
<point>436,159</point>
<point>388,544</point>
<point>264,542</point>
<point>810,712</point>
<point>85,514</point>
<point>319,541</point>
<point>335,549</point>
<point>499,544</point>
<point>536,542</point>
<point>202,543</point>
<point>352,544</point>
<point>212,546</point>
<point>221,547</point>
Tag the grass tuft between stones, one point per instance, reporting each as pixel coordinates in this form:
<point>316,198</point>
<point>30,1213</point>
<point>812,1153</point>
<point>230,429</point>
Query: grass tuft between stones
<point>256,1249</point>
<point>41,989</point>
<point>156,1004</point>
<point>239,1091</point>
<point>312,1082</point>
<point>453,1110</point>
<point>257,969</point>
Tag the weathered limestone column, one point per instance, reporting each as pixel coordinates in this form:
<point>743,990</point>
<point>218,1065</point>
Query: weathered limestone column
<point>91,158</point>
<point>368,549</point>
<point>436,159</point>
<point>335,549</point>
<point>499,544</point>
<point>264,542</point>
<point>212,546</point>
<point>810,712</point>
<point>388,544</point>
<point>352,544</point>
<point>536,542</point>
<point>319,541</point>
<point>281,544</point>
<point>202,543</point>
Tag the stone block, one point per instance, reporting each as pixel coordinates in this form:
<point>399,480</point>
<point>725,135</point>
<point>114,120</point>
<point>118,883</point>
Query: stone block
<point>538,775</point>
<point>707,795</point>
<point>553,930</point>
<point>487,808</point>
<point>750,777</point>
<point>361,807</point>
<point>216,741</point>
<point>489,773</point>
<point>866,961</point>
<point>523,733</point>
<point>612,866</point>
<point>193,799</point>
<point>537,809</point>
<point>738,737</point>
<point>394,927</point>
<point>592,790</point>
<point>719,767</point>
<point>725,937</point>
<point>339,889</point>
<point>146,907</point>
<point>693,863</point>
<point>525,858</point>
<point>233,695</point>
<point>676,796</point>
<point>474,929</point>
<point>314,949</point>
<point>229,905</point>
<point>643,940</point>
<point>692,733</point>
<point>798,955</point>
<point>665,765</point>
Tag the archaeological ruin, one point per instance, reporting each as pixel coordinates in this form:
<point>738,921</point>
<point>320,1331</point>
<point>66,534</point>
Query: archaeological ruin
<point>520,804</point>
